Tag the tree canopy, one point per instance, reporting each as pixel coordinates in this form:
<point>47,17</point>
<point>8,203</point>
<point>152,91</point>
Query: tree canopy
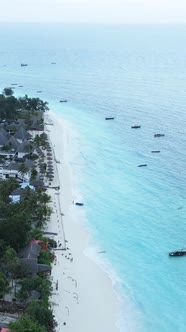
<point>26,324</point>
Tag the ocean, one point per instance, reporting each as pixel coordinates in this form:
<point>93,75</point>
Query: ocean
<point>136,74</point>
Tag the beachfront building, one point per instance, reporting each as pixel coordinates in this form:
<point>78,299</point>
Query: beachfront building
<point>21,193</point>
<point>29,259</point>
<point>13,170</point>
<point>23,149</point>
<point>22,135</point>
<point>3,140</point>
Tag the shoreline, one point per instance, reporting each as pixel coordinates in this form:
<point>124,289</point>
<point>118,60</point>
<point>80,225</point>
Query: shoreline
<point>83,298</point>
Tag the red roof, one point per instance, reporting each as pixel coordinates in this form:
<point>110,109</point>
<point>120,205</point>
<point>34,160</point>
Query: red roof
<point>44,246</point>
<point>36,241</point>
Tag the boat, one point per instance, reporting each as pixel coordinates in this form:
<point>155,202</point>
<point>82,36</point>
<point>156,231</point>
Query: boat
<point>135,127</point>
<point>39,91</point>
<point>79,204</point>
<point>63,101</point>
<point>142,165</point>
<point>159,135</point>
<point>155,151</point>
<point>24,64</point>
<point>53,63</point>
<point>110,118</point>
<point>180,252</point>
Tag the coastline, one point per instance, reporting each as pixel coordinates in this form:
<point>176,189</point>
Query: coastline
<point>83,298</point>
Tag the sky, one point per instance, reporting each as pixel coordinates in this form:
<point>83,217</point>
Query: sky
<point>94,11</point>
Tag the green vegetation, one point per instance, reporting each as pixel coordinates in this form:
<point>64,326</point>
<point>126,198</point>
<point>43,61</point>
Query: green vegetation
<point>38,283</point>
<point>21,222</point>
<point>3,284</point>
<point>26,324</point>
<point>40,313</point>
<point>17,108</point>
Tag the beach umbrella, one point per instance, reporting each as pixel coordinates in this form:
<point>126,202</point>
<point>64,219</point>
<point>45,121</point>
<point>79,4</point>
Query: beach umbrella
<point>50,171</point>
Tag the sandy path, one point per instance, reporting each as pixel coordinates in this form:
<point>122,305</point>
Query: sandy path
<point>83,298</point>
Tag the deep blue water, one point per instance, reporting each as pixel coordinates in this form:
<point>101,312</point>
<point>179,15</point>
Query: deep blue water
<point>136,74</point>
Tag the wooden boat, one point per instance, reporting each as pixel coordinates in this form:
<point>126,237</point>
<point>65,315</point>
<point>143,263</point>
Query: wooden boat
<point>79,204</point>
<point>177,253</point>
<point>63,101</point>
<point>24,64</point>
<point>155,151</point>
<point>110,118</point>
<point>53,63</point>
<point>39,91</point>
<point>159,135</point>
<point>142,165</point>
<point>135,127</point>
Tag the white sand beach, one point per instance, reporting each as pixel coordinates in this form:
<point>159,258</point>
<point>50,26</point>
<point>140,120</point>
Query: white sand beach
<point>83,299</point>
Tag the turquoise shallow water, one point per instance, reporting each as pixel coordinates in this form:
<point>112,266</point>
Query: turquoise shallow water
<point>136,74</point>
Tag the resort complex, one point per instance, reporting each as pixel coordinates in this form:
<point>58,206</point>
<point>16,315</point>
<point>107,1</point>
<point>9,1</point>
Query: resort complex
<point>26,254</point>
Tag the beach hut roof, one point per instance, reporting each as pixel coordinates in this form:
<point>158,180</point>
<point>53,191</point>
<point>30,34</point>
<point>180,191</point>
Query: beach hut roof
<point>22,147</point>
<point>30,251</point>
<point>22,134</point>
<point>4,132</point>
<point>17,192</point>
<point>15,144</point>
<point>3,139</point>
<point>13,166</point>
<point>31,266</point>
<point>20,123</point>
<point>37,183</point>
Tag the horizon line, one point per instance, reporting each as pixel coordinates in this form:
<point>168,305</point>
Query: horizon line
<point>93,23</point>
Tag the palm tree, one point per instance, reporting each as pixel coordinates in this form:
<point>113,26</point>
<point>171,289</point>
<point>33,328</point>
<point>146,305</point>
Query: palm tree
<point>23,169</point>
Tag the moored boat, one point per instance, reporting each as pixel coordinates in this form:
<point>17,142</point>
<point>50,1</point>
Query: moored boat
<point>135,127</point>
<point>180,252</point>
<point>159,135</point>
<point>109,118</point>
<point>142,165</point>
